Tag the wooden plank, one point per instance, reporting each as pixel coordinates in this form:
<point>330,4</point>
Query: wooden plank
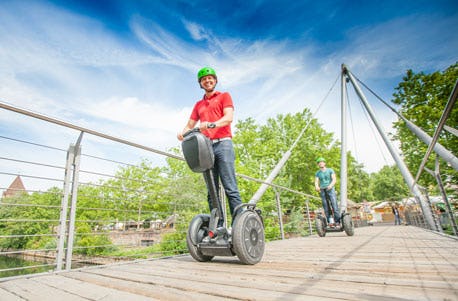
<point>323,284</point>
<point>31,289</point>
<point>299,267</point>
<point>8,296</point>
<point>87,290</point>
<point>160,291</point>
<point>378,263</point>
<point>208,286</point>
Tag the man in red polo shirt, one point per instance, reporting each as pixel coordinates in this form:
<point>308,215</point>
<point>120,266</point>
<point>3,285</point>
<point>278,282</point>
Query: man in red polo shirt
<point>215,111</point>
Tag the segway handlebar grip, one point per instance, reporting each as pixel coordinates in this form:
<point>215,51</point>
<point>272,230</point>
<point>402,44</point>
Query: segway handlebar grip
<point>194,130</point>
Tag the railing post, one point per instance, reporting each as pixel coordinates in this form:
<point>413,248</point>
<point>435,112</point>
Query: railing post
<point>434,215</point>
<point>71,223</point>
<point>308,216</point>
<point>280,218</point>
<point>64,208</point>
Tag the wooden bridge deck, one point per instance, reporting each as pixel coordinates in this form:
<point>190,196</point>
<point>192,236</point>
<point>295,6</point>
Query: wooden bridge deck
<point>378,263</point>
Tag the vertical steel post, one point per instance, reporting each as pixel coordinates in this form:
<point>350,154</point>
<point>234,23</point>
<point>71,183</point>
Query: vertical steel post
<point>280,218</point>
<point>397,158</point>
<point>430,206</point>
<point>343,148</point>
<point>71,226</point>
<point>308,216</point>
<point>64,208</point>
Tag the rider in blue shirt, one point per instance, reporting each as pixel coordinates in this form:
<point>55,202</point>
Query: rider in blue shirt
<point>325,180</point>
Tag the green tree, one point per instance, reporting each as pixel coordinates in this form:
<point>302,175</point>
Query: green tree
<point>358,185</point>
<point>24,217</point>
<point>186,188</point>
<point>422,99</point>
<point>388,184</point>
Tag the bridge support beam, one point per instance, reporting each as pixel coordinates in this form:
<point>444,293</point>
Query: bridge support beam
<point>343,147</point>
<point>426,209</point>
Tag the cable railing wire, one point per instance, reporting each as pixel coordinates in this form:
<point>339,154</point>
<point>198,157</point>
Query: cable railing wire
<point>147,223</point>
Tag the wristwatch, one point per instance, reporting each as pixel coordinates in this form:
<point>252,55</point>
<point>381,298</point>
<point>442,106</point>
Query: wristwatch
<point>211,125</point>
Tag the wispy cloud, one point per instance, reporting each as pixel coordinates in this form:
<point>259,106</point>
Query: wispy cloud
<point>144,86</point>
<point>419,42</point>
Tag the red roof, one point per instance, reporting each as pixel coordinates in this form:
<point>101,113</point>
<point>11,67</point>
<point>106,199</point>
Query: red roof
<point>15,188</point>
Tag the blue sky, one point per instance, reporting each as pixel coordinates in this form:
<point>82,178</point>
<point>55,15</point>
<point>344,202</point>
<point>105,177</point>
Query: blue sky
<point>128,68</point>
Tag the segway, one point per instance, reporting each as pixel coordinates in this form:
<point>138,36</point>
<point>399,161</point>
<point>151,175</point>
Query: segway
<point>207,236</point>
<point>323,226</point>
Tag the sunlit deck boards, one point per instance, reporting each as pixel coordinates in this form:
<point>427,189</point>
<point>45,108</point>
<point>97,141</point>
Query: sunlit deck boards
<point>378,263</point>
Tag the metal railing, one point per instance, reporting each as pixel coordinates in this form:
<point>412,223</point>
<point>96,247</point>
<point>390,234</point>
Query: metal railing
<point>70,208</point>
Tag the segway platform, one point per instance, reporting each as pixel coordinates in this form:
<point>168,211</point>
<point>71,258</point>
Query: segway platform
<point>322,226</point>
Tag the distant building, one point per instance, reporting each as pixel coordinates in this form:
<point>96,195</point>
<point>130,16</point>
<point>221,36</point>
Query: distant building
<point>17,187</point>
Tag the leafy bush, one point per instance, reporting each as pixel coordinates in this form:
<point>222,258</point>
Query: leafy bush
<point>174,243</point>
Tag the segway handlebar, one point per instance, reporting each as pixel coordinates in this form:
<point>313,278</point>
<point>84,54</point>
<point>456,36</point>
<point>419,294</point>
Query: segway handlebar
<point>194,130</point>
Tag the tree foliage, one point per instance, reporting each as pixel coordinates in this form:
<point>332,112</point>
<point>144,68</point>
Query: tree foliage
<point>422,99</point>
<point>388,184</point>
<point>260,147</point>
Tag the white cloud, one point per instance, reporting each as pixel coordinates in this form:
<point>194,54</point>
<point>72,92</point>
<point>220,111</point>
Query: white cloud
<point>140,121</point>
<point>196,31</point>
<point>72,67</point>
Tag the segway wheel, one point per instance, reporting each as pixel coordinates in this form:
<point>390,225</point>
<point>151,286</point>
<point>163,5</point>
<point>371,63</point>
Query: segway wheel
<point>348,225</point>
<point>248,237</point>
<point>196,232</point>
<point>320,227</point>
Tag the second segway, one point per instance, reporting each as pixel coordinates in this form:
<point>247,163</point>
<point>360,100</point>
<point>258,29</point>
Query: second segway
<point>323,225</point>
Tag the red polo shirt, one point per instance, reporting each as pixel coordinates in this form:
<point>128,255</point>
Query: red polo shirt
<point>212,109</point>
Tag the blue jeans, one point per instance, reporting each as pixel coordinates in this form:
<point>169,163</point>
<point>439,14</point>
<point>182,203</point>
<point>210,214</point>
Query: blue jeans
<point>224,170</point>
<point>331,194</point>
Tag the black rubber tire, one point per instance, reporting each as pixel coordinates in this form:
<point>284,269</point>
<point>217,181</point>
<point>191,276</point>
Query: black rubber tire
<point>348,225</point>
<point>196,232</point>
<point>248,237</point>
<point>320,227</point>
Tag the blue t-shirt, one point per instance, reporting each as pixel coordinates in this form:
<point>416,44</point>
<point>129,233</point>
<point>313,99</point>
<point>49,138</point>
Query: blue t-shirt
<point>325,177</point>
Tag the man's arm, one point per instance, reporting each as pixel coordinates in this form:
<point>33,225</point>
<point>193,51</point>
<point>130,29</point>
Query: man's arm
<point>189,126</point>
<point>317,184</point>
<point>333,182</point>
<point>226,119</point>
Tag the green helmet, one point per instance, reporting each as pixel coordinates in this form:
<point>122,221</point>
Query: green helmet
<point>320,159</point>
<point>204,72</point>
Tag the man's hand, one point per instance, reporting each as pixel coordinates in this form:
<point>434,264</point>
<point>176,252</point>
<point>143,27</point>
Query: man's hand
<point>203,126</point>
<point>180,136</point>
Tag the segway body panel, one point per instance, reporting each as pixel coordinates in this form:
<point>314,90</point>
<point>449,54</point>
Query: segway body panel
<point>198,151</point>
